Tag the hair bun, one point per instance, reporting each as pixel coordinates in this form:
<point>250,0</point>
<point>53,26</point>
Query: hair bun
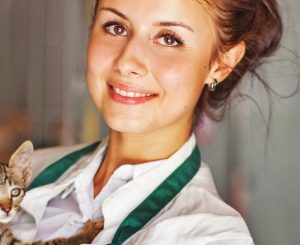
<point>259,25</point>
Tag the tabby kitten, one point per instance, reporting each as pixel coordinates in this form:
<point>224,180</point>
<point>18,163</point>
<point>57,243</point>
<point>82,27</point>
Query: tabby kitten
<point>14,178</point>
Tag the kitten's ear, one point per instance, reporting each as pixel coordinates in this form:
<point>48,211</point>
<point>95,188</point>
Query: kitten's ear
<point>21,159</point>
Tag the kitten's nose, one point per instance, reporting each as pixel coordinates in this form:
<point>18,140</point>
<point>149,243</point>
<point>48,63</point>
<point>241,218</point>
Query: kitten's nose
<point>6,209</point>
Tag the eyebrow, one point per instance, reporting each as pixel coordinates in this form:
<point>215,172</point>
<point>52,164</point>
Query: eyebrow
<point>171,23</point>
<point>164,23</point>
<point>114,11</point>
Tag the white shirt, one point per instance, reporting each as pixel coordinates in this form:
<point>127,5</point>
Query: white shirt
<point>64,215</point>
<point>197,215</point>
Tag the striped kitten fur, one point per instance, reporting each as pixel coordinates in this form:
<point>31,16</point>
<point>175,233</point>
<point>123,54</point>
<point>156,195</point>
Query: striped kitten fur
<point>14,177</point>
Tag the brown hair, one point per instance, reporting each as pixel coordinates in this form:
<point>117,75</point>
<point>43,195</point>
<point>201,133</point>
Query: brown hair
<point>258,24</point>
<point>95,10</point>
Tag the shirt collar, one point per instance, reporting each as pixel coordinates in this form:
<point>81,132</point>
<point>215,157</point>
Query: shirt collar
<point>135,191</point>
<point>125,172</point>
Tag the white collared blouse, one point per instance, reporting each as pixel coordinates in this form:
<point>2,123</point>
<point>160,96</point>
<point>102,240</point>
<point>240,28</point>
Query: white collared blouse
<point>197,215</point>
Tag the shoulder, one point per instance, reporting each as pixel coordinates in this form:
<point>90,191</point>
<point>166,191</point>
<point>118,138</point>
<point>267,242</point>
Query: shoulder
<point>197,216</point>
<point>195,229</point>
<point>42,158</point>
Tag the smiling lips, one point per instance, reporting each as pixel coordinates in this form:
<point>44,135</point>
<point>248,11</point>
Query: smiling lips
<point>127,95</point>
<point>130,94</point>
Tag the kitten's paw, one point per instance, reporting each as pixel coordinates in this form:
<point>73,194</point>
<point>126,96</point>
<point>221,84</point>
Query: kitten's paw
<point>93,226</point>
<point>99,224</point>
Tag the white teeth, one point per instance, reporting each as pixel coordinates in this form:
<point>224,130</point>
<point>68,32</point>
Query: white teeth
<point>130,94</point>
<point>123,93</point>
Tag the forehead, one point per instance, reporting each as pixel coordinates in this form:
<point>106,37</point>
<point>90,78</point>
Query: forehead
<point>191,12</point>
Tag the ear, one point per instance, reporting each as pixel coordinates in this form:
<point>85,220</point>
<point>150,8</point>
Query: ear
<point>21,159</point>
<point>226,62</point>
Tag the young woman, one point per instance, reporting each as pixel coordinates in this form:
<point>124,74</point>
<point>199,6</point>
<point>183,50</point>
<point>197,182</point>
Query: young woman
<point>154,69</point>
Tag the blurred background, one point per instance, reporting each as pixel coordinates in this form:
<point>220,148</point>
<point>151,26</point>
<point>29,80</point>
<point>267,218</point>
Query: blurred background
<point>254,153</point>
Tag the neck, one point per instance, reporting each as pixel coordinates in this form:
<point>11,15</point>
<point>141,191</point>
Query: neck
<point>137,148</point>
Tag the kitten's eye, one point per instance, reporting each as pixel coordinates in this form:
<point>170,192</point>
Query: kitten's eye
<point>16,192</point>
<point>170,40</point>
<point>115,28</point>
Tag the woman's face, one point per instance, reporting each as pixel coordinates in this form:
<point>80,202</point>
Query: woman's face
<point>147,62</point>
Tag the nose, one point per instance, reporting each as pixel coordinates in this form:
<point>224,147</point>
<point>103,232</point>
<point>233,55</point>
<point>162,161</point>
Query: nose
<point>5,206</point>
<point>132,60</point>
<point>6,210</point>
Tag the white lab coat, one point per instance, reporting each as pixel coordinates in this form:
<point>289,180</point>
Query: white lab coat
<point>197,215</point>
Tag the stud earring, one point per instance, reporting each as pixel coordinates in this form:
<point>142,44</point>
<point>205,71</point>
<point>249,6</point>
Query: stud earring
<point>212,86</point>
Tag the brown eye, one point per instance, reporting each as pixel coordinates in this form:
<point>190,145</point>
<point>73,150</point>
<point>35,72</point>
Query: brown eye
<point>118,30</point>
<point>170,40</point>
<point>16,192</point>
<point>115,28</point>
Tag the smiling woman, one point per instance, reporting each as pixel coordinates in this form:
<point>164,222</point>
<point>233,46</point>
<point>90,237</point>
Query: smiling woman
<point>141,55</point>
<point>154,68</point>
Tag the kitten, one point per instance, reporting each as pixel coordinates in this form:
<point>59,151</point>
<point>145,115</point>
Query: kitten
<point>14,178</point>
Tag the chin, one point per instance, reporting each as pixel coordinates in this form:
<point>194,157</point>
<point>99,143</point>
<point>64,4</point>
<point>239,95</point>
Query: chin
<point>128,126</point>
<point>6,219</point>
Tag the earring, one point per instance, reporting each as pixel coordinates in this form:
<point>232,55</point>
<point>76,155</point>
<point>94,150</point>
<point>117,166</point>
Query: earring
<point>212,86</point>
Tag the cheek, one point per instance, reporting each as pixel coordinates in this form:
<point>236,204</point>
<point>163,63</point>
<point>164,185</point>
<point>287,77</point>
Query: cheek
<point>98,57</point>
<point>182,77</point>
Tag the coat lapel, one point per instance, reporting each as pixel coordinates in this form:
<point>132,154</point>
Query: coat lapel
<point>35,201</point>
<point>116,208</point>
<point>25,223</point>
